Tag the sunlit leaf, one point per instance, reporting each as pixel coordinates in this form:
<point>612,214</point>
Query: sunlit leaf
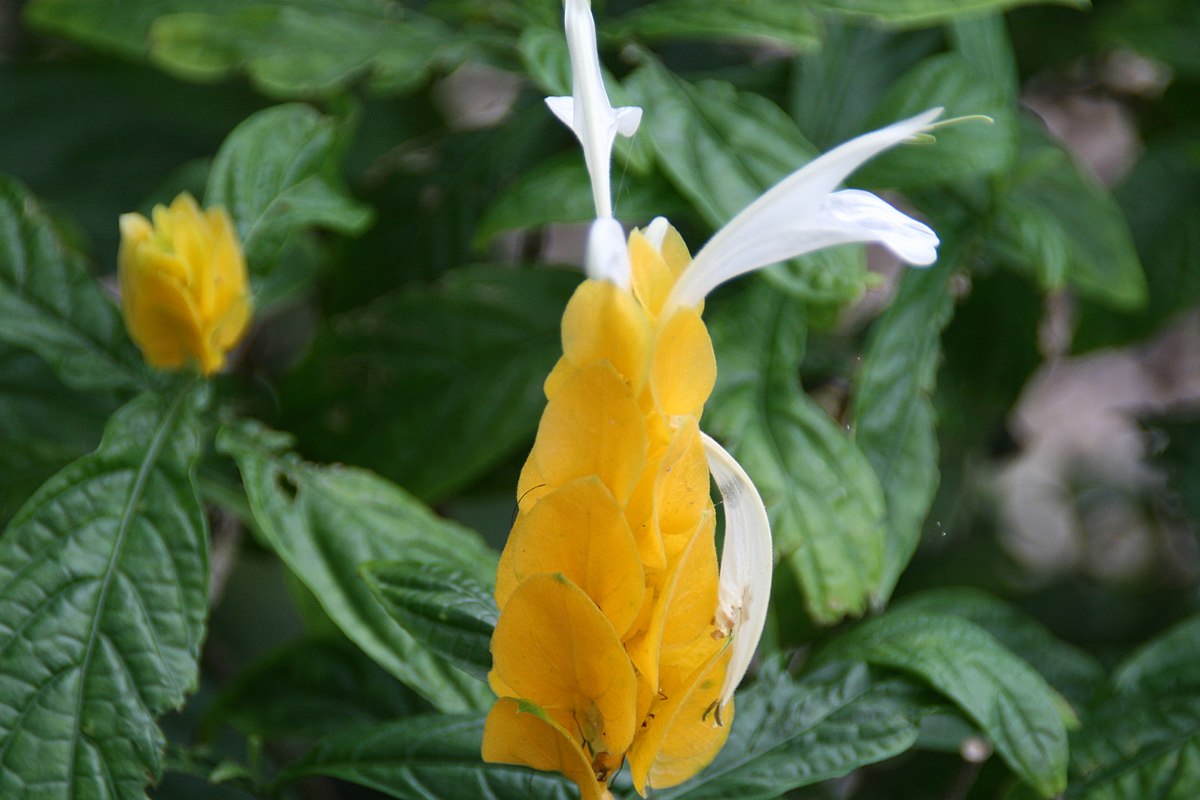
<point>916,13</point>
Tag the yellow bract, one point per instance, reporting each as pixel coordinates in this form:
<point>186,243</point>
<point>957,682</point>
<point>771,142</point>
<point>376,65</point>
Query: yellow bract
<point>606,646</point>
<point>184,289</point>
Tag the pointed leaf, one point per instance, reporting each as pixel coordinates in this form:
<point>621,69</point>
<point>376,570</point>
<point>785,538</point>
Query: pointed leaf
<point>777,21</point>
<point>276,174</point>
<point>103,598</point>
<point>446,609</point>
<point>921,13</point>
<point>895,423</point>
<point>324,522</point>
<point>825,503</point>
<point>51,305</point>
<point>1012,705</point>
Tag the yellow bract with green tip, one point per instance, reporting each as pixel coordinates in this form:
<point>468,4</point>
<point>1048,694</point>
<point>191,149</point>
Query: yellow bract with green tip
<point>607,647</point>
<point>184,288</point>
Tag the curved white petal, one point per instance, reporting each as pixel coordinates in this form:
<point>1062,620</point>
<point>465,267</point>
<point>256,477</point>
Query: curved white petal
<point>588,111</point>
<point>787,220</point>
<point>746,562</point>
<point>867,218</point>
<point>608,254</point>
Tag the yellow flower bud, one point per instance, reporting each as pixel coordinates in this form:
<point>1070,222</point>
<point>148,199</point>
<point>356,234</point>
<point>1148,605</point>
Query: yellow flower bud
<point>184,288</point>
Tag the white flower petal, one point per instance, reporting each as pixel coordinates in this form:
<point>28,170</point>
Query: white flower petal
<point>786,221</point>
<point>588,112</point>
<point>867,218</point>
<point>746,562</point>
<point>656,232</point>
<point>608,254</point>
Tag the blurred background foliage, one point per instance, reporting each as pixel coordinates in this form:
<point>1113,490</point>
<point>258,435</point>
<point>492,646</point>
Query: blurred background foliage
<point>1027,412</point>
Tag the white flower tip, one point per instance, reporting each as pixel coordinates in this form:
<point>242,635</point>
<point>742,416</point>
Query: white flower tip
<point>607,253</point>
<point>628,120</point>
<point>747,560</point>
<point>864,217</point>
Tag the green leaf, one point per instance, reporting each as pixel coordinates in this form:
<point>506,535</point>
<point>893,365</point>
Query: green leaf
<point>51,305</point>
<point>791,733</point>
<point>1165,30</point>
<point>326,521</point>
<point>43,424</point>
<point>116,26</point>
<point>302,48</point>
<point>1010,702</point>
<point>1144,740</point>
<point>277,176</point>
<point>722,148</point>
<point>920,13</point>
<point>775,21</point>
<point>1070,670</point>
<point>423,757</point>
<point>397,385</point>
<point>447,610</point>
<point>103,598</point>
<point>825,503</point>
<point>1058,224</point>
<point>559,190</point>
<point>894,421</point>
<point>962,150</point>
<point>307,689</point>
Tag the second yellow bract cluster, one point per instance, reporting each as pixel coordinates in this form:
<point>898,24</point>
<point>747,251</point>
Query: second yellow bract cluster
<point>184,288</point>
<point>607,646</point>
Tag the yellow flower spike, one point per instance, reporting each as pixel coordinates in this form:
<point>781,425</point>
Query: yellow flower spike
<point>184,287</point>
<point>684,732</point>
<point>592,426</point>
<point>681,490</point>
<point>578,530</point>
<point>683,368</point>
<point>553,647</point>
<point>679,634</point>
<point>651,277</point>
<point>603,322</point>
<point>518,732</point>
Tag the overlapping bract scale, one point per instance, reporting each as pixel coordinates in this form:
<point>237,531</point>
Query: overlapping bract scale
<point>607,646</point>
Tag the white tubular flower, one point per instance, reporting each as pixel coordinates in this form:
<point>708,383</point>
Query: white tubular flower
<point>802,213</point>
<point>588,111</point>
<point>744,586</point>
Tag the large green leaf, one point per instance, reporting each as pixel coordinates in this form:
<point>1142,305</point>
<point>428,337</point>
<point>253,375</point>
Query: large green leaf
<point>1074,672</point>
<point>301,48</point>
<point>277,176</point>
<point>310,688</point>
<point>433,385</point>
<point>779,21</point>
<point>722,148</point>
<point>825,503</point>
<point>103,590</point>
<point>51,305</point>
<point>1060,225</point>
<point>326,521</point>
<point>919,13</point>
<point>791,733</point>
<point>447,610</point>
<point>1009,701</point>
<point>1143,741</point>
<point>423,757</point>
<point>894,420</point>
<point>116,26</point>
